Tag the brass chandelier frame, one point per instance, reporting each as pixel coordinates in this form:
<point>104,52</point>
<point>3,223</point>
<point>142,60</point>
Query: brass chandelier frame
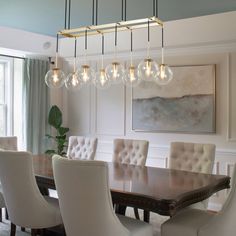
<point>111,27</point>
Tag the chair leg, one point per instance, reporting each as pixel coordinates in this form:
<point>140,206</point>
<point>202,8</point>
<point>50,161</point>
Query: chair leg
<point>0,214</point>
<point>120,209</point>
<point>64,231</point>
<point>13,229</point>
<point>42,232</point>
<point>34,232</point>
<point>6,212</point>
<point>146,216</point>
<point>136,213</point>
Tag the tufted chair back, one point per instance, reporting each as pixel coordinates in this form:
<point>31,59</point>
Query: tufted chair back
<point>130,151</point>
<point>8,143</point>
<point>82,148</point>
<point>193,157</point>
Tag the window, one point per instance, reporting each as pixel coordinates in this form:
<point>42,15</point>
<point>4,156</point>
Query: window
<point>4,68</point>
<point>2,106</point>
<point>11,81</point>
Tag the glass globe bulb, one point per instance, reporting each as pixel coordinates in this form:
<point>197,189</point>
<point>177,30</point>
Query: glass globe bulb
<point>101,81</point>
<point>164,75</point>
<point>86,74</point>
<point>73,82</point>
<point>115,72</point>
<point>147,69</point>
<point>55,78</point>
<point>131,78</point>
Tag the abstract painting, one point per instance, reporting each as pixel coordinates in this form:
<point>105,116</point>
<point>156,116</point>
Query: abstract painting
<point>186,104</point>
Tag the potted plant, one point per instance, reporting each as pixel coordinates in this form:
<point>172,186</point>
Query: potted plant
<point>55,120</point>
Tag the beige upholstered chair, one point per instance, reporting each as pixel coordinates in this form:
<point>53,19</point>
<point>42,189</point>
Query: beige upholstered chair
<point>194,157</point>
<point>86,205</point>
<point>132,152</point>
<point>6,143</point>
<point>82,148</point>
<point>25,204</point>
<point>194,222</point>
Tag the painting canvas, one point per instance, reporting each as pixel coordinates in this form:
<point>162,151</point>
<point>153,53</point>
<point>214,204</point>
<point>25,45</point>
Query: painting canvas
<point>186,104</point>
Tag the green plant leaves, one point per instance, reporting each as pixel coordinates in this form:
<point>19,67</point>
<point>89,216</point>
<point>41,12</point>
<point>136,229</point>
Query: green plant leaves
<point>63,130</point>
<point>50,152</point>
<point>55,117</point>
<point>55,120</point>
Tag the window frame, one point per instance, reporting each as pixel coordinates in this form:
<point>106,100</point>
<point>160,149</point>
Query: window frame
<point>8,93</point>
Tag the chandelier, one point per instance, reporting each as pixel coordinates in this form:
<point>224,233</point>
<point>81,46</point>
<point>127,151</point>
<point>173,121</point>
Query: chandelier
<point>147,70</point>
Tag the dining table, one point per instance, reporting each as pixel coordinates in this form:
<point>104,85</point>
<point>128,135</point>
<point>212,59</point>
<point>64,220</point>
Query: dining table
<point>160,190</point>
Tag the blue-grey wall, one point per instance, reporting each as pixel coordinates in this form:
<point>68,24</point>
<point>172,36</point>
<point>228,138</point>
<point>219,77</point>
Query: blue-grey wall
<point>47,16</point>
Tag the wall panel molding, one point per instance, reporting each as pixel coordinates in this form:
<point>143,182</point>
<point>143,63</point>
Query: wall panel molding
<point>231,99</point>
<point>122,122</point>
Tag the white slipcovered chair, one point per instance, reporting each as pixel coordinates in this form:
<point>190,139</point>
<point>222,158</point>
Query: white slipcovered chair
<point>82,148</point>
<point>25,204</point>
<point>85,201</point>
<point>195,222</point>
<point>6,143</point>
<point>194,157</point>
<point>132,152</point>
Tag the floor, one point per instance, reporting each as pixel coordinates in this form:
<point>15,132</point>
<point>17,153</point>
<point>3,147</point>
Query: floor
<point>155,220</point>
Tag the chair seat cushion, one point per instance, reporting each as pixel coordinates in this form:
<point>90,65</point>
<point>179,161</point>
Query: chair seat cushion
<point>185,223</point>
<point>136,227</point>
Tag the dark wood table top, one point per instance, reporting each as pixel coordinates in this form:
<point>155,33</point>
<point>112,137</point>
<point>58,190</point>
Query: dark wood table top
<point>159,190</point>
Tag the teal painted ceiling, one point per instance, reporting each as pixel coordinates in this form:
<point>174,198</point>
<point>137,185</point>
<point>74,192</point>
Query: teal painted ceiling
<point>47,16</point>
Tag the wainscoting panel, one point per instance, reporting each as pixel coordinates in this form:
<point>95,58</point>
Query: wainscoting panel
<point>110,111</point>
<point>79,111</point>
<point>232,99</point>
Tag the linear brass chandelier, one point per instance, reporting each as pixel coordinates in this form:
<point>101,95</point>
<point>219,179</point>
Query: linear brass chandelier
<point>114,73</point>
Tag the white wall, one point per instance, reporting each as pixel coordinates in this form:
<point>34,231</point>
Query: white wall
<point>196,41</point>
<point>23,42</point>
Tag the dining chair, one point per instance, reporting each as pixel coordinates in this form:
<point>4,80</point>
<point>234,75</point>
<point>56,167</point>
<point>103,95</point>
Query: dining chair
<point>83,148</point>
<point>26,206</point>
<point>6,143</point>
<point>132,152</point>
<point>194,157</point>
<point>195,222</point>
<point>85,201</point>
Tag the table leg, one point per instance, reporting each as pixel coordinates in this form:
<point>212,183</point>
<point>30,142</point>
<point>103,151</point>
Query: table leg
<point>120,209</point>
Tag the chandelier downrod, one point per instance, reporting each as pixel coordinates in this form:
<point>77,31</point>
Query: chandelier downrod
<point>67,14</point>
